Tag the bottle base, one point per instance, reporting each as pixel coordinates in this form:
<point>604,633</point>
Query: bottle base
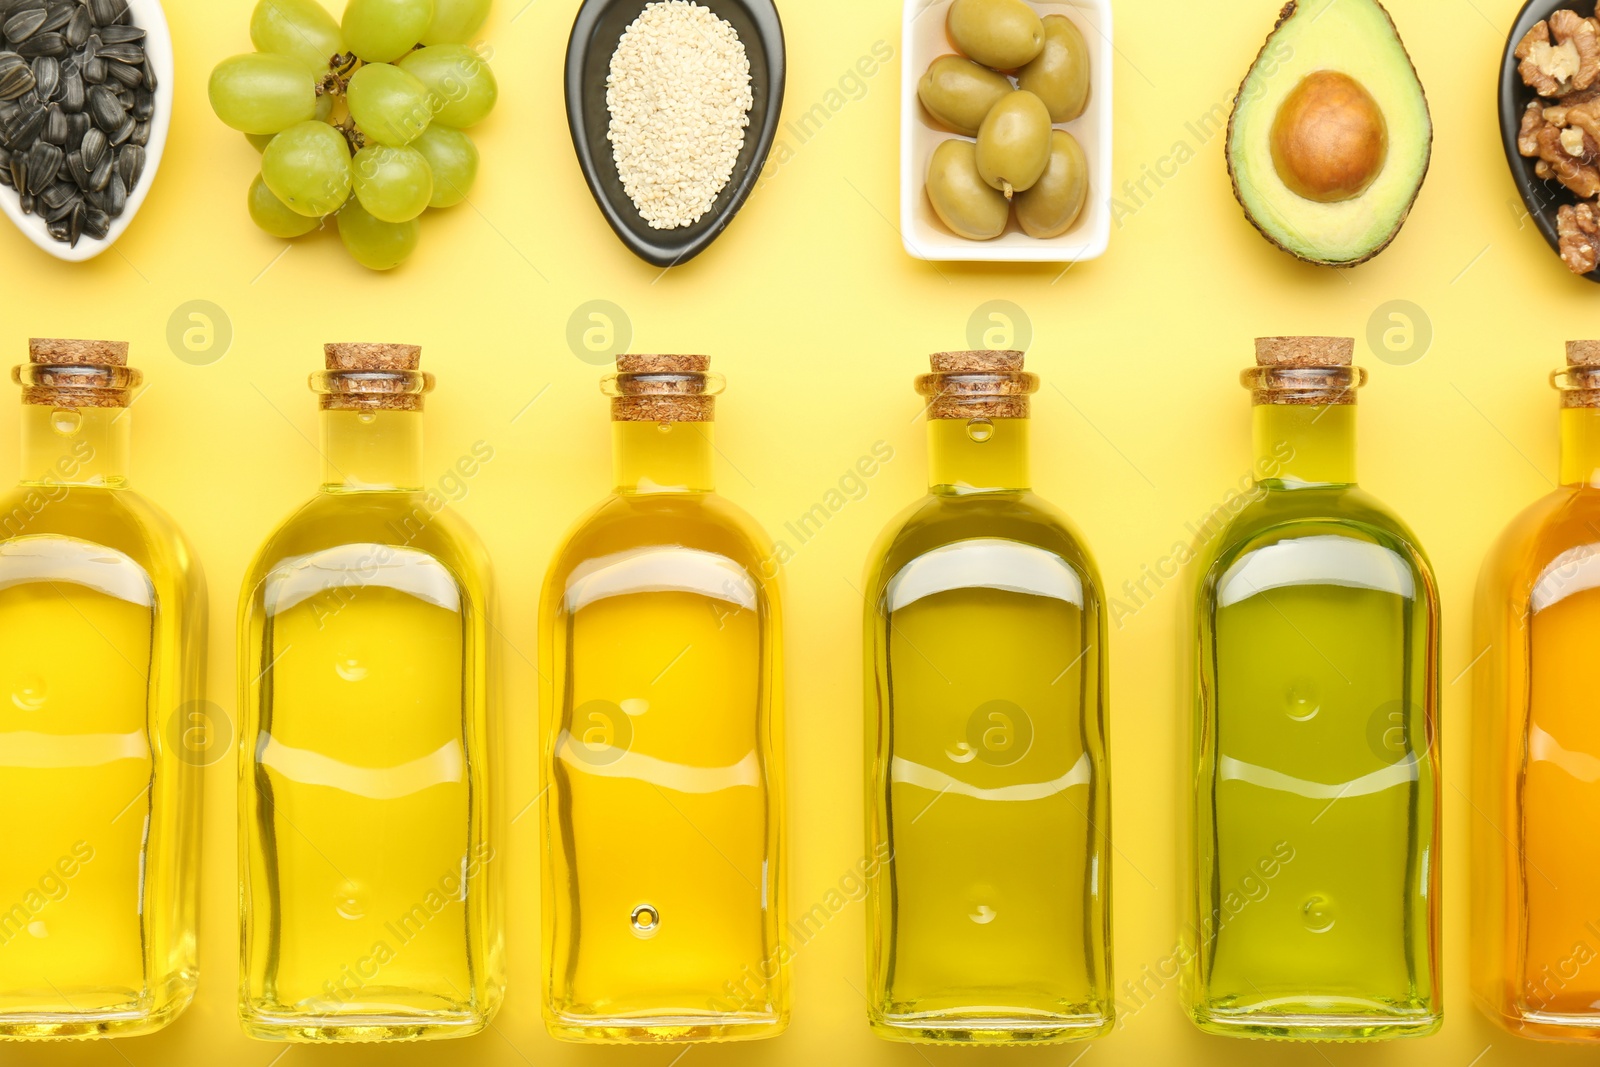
<point>989,1028</point>
<point>353,1029</point>
<point>1282,1025</point>
<point>88,1025</point>
<point>664,1029</point>
<point>1553,1027</point>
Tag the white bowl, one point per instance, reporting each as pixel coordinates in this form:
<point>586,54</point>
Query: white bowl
<point>925,237</point>
<point>148,16</point>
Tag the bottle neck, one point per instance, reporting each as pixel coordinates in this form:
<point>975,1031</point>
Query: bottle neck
<point>75,446</point>
<point>977,455</point>
<point>371,451</point>
<point>1580,447</point>
<point>662,457</point>
<point>1301,445</point>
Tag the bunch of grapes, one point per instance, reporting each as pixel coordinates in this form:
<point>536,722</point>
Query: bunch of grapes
<point>359,119</point>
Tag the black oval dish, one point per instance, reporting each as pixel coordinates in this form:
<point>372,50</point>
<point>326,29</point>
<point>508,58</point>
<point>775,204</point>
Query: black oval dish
<point>599,26</point>
<point>1542,198</point>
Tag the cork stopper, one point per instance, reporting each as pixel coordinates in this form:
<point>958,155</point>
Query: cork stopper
<point>372,377</point>
<point>1305,351</point>
<point>69,373</point>
<point>977,384</point>
<point>1311,371</point>
<point>61,351</point>
<point>372,357</point>
<point>1580,383</point>
<point>663,387</point>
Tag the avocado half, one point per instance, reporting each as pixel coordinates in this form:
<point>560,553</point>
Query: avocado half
<point>1356,39</point>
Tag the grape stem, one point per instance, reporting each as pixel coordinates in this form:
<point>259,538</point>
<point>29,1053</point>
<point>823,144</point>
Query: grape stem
<point>352,135</point>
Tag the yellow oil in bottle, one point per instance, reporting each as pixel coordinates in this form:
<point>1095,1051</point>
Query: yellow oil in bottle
<point>369,909</point>
<point>102,630</point>
<point>988,783</point>
<point>662,760</point>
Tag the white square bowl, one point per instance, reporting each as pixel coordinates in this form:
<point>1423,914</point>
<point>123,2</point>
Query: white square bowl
<point>923,40</point>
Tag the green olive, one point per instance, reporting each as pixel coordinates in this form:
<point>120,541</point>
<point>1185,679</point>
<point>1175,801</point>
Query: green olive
<point>1060,75</point>
<point>961,199</point>
<point>1056,200</point>
<point>959,93</point>
<point>1014,143</point>
<point>1000,34</point>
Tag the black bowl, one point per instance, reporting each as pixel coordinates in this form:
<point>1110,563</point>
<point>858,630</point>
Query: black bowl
<point>595,33</point>
<point>1543,198</point>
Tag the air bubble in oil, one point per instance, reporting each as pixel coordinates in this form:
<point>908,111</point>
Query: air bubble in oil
<point>30,695</point>
<point>980,430</point>
<point>350,669</point>
<point>65,421</point>
<point>646,920</point>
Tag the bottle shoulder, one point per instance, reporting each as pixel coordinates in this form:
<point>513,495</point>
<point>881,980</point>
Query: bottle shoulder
<point>120,519</point>
<point>938,521</point>
<point>692,520</point>
<point>381,524</point>
<point>1557,526</point>
<point>1273,516</point>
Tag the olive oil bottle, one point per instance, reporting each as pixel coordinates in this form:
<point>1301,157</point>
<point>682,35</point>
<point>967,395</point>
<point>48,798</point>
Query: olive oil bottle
<point>1314,904</point>
<point>1536,759</point>
<point>988,789</point>
<point>370,906</point>
<point>662,755</point>
<point>102,652</point>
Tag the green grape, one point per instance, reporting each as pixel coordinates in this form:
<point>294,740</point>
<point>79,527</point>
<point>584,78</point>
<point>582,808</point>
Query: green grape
<point>307,166</point>
<point>376,244</point>
<point>259,141</point>
<point>460,80</point>
<point>390,106</point>
<point>276,217</point>
<point>263,93</point>
<point>324,106</point>
<point>453,159</point>
<point>393,184</point>
<point>455,21</point>
<point>382,30</point>
<point>299,29</point>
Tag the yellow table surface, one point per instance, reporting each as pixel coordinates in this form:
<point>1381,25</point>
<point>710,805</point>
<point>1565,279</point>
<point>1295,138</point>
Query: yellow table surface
<point>820,321</point>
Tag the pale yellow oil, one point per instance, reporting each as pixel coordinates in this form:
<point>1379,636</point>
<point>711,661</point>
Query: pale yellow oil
<point>662,769</point>
<point>367,862</point>
<point>102,624</point>
<point>988,782</point>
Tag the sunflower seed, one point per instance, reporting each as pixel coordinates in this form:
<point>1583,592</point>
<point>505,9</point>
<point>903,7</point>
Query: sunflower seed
<point>46,76</point>
<point>74,168</point>
<point>149,75</point>
<point>94,71</point>
<point>96,223</point>
<point>16,76</point>
<point>19,172</point>
<point>77,29</point>
<point>106,12</point>
<point>24,129</point>
<point>56,127</point>
<point>57,17</point>
<point>123,132</point>
<point>5,177</point>
<point>144,105</point>
<point>91,47</point>
<point>72,91</point>
<point>44,163</point>
<point>19,27</point>
<point>58,194</point>
<point>101,175</point>
<point>27,204</point>
<point>122,53</point>
<point>130,165</point>
<point>105,108</point>
<point>93,145</point>
<point>141,134</point>
<point>61,230</point>
<point>79,124</point>
<point>43,44</point>
<point>124,75</point>
<point>121,34</point>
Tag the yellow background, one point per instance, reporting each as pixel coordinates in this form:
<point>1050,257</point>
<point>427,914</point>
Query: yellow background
<point>820,320</point>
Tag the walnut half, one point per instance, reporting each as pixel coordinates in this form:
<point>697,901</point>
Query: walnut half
<point>1578,229</point>
<point>1560,55</point>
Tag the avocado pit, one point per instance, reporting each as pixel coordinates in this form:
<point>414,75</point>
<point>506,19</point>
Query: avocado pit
<point>1329,139</point>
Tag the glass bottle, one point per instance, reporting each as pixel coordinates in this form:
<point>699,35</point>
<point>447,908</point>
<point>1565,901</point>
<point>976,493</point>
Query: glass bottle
<point>1536,760</point>
<point>988,789</point>
<point>370,904</point>
<point>1313,910</point>
<point>662,756</point>
<point>102,732</point>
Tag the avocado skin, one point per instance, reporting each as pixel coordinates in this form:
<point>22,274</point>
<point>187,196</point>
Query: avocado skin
<point>1283,16</point>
